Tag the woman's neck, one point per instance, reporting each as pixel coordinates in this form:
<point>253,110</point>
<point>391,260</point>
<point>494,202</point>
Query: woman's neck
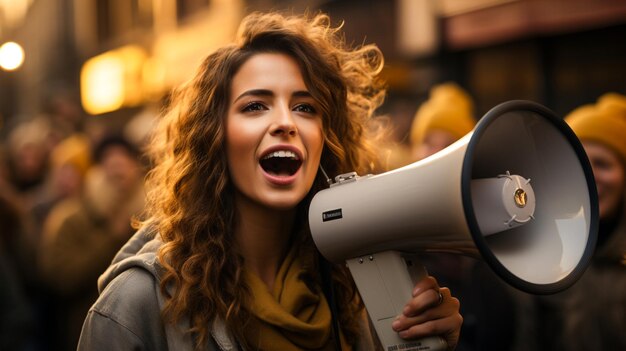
<point>263,236</point>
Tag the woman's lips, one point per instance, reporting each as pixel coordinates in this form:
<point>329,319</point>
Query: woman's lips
<point>280,179</point>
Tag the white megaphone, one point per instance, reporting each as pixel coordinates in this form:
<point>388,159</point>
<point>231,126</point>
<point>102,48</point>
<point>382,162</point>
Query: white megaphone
<point>517,192</point>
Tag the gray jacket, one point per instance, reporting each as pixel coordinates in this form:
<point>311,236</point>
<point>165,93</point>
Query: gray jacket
<point>126,316</point>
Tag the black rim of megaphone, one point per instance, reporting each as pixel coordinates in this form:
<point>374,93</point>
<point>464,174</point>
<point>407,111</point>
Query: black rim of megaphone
<point>466,177</point>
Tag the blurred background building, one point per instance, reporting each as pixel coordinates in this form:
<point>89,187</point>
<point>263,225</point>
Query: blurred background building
<point>117,56</point>
<point>73,72</point>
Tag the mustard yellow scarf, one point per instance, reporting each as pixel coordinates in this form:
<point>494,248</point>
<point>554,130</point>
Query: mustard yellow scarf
<point>291,317</point>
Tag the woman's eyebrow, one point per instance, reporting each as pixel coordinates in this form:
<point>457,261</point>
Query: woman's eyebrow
<point>302,93</point>
<point>255,92</point>
<point>266,92</point>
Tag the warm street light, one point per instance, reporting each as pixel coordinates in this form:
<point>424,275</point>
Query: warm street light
<point>11,56</point>
<point>112,80</point>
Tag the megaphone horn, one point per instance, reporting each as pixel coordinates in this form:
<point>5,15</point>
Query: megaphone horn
<point>517,192</point>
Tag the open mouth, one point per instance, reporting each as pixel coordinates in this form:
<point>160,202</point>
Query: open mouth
<point>281,163</point>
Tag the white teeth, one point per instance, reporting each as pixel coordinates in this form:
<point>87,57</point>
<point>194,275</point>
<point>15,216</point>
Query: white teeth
<point>282,153</point>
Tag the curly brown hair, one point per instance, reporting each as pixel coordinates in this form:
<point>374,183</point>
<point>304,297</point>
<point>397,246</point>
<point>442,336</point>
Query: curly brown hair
<point>191,195</point>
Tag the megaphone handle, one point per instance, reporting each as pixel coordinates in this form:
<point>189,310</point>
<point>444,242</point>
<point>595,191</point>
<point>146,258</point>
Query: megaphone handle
<point>385,281</point>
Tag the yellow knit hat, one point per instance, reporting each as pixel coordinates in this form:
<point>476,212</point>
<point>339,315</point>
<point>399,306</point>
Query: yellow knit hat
<point>74,150</point>
<point>614,103</point>
<point>448,108</point>
<point>604,122</point>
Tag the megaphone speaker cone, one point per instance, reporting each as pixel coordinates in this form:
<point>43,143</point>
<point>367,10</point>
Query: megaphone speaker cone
<point>551,251</point>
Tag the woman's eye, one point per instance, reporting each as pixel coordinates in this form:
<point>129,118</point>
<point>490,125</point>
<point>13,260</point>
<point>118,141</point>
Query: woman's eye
<point>602,165</point>
<point>253,107</point>
<point>306,108</point>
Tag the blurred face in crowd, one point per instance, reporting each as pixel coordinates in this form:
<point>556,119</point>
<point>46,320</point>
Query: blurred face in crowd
<point>121,168</point>
<point>68,180</point>
<point>610,176</point>
<point>273,132</point>
<point>30,161</point>
<point>434,141</point>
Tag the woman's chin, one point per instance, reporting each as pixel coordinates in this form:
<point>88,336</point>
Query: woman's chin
<point>283,204</point>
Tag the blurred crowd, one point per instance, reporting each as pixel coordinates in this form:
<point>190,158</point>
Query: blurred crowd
<point>71,185</point>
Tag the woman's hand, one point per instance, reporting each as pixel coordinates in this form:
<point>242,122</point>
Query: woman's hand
<point>432,311</point>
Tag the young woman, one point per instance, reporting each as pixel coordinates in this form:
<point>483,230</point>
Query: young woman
<point>226,260</point>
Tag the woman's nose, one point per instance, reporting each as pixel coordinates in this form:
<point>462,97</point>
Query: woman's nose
<point>283,123</point>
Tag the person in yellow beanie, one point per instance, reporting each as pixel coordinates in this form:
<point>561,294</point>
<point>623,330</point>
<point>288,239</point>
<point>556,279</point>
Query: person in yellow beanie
<point>591,314</point>
<point>602,130</point>
<point>69,161</point>
<point>443,119</point>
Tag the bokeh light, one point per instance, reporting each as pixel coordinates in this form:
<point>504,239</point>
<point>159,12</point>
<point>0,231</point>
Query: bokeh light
<point>11,56</point>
